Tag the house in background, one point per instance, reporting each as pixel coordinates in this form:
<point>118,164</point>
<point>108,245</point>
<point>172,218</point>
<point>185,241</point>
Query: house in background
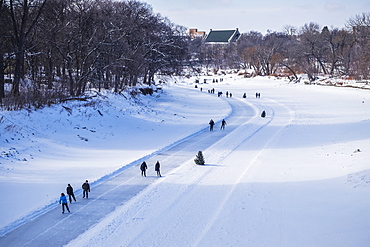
<point>222,36</point>
<point>216,50</point>
<point>194,33</point>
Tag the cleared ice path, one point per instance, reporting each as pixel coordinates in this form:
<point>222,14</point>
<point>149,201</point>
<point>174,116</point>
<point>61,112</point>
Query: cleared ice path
<point>56,229</point>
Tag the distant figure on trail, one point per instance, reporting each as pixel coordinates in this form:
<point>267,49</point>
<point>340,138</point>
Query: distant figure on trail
<point>143,168</point>
<point>245,95</point>
<point>86,189</point>
<point>223,124</point>
<point>64,202</point>
<point>211,124</point>
<point>70,193</point>
<point>263,114</point>
<point>227,94</point>
<point>157,169</point>
<point>258,95</point>
<point>231,95</point>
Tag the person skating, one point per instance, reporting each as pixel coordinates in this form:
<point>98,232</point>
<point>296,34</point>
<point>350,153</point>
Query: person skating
<point>211,124</point>
<point>64,202</point>
<point>143,168</point>
<point>70,193</point>
<point>223,124</point>
<point>157,169</point>
<point>86,189</point>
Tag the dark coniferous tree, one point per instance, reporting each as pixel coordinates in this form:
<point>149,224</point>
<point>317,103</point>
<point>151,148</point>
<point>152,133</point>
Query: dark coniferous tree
<point>199,159</point>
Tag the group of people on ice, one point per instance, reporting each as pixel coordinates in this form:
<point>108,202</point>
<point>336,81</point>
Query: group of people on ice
<point>258,95</point>
<point>63,198</point>
<point>228,94</point>
<point>144,167</point>
<point>212,123</point>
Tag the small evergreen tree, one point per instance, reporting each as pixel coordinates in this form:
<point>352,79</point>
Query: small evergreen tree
<point>199,159</point>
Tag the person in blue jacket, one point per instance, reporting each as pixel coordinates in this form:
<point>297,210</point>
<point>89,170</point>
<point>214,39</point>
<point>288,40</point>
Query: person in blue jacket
<point>64,202</point>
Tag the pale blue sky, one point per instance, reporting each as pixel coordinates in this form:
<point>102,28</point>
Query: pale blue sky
<point>258,15</point>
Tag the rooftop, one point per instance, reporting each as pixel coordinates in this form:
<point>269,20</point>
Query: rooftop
<point>222,36</point>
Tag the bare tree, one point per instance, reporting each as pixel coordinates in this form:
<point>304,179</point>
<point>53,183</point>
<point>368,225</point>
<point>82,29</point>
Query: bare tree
<point>360,26</point>
<point>5,34</point>
<point>337,43</point>
<point>312,53</point>
<point>24,15</point>
<point>249,45</point>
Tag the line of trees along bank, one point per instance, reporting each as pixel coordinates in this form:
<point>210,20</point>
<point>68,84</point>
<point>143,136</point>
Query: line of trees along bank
<point>56,49</point>
<point>310,49</point>
<point>60,48</point>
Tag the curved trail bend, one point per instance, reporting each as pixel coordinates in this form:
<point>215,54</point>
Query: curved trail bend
<point>195,194</point>
<point>133,206</point>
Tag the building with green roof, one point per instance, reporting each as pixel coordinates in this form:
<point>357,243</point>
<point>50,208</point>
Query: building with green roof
<point>222,36</point>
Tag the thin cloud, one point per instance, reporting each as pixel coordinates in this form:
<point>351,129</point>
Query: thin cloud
<point>334,7</point>
<point>211,4</point>
<point>260,15</point>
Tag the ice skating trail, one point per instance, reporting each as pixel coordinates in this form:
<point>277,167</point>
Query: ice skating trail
<point>124,198</point>
<point>187,216</point>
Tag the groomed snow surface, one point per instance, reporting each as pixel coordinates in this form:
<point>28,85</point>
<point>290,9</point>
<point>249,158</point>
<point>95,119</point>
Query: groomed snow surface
<point>298,177</point>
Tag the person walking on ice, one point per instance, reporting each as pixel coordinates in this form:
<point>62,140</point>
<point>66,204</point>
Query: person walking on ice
<point>157,169</point>
<point>64,202</point>
<point>70,193</point>
<point>143,168</point>
<point>86,189</point>
<point>211,124</point>
<point>223,124</point>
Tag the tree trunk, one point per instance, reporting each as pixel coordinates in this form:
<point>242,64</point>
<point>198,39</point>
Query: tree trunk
<point>21,28</point>
<point>2,80</point>
<point>18,70</point>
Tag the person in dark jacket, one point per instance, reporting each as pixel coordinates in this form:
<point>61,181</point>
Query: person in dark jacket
<point>70,193</point>
<point>211,124</point>
<point>157,169</point>
<point>143,168</point>
<point>64,202</point>
<point>86,189</point>
<point>223,124</point>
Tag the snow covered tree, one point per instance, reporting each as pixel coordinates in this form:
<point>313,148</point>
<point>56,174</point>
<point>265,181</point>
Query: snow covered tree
<point>199,159</point>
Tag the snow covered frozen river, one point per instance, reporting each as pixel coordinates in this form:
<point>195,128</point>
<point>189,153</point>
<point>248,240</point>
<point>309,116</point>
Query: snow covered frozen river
<point>298,177</point>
